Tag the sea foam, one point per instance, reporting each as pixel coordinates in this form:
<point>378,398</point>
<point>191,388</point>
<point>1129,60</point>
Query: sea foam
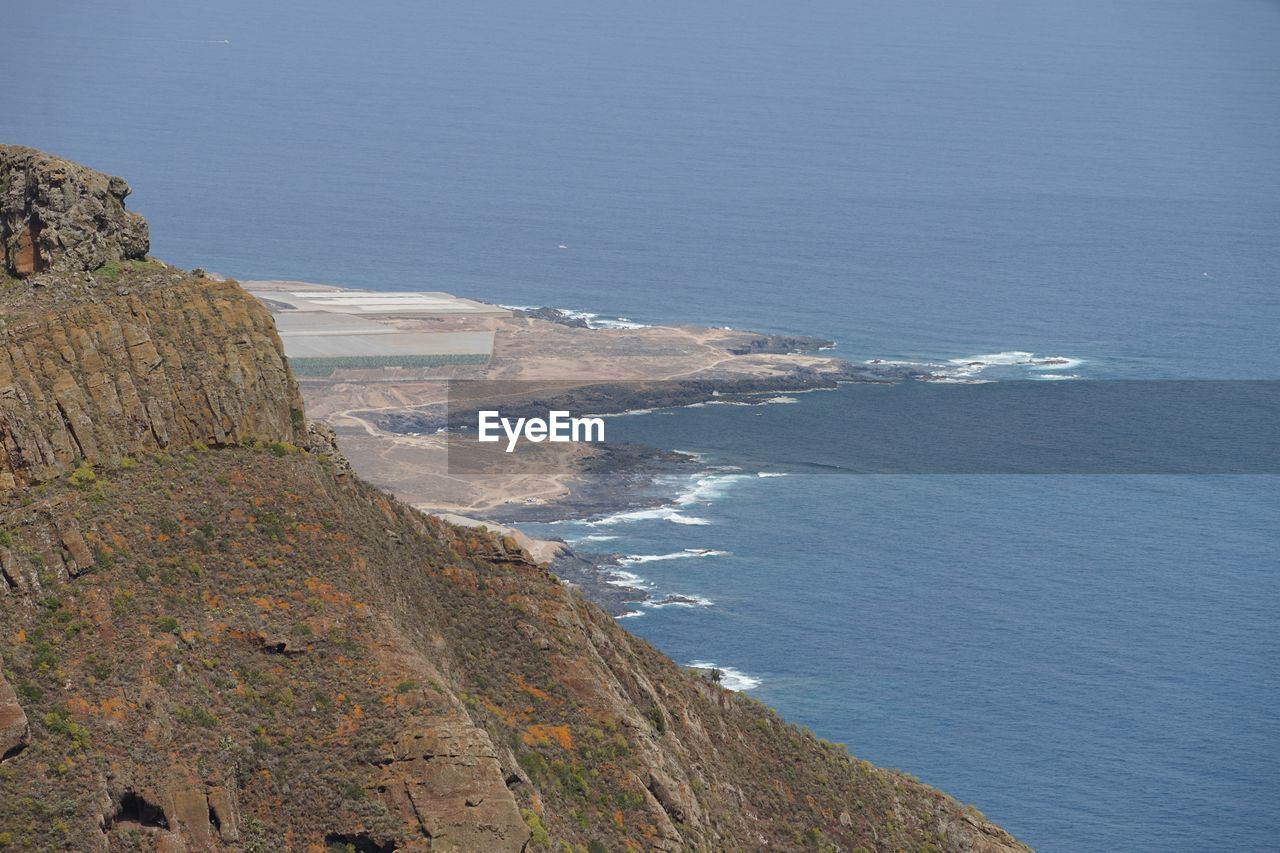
<point>978,369</point>
<point>733,679</point>
<point>636,559</point>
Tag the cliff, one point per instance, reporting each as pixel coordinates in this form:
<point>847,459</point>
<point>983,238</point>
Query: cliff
<point>214,637</point>
<point>95,370</point>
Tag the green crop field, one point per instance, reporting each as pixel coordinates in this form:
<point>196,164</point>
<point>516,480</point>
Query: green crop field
<point>326,366</point>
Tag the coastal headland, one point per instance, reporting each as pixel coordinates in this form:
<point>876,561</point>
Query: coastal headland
<point>219,637</point>
<point>376,367</point>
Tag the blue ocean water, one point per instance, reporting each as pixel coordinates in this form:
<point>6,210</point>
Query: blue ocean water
<point>1092,661</point>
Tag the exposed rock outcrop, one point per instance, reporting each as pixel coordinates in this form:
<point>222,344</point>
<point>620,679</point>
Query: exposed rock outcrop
<point>758,344</point>
<point>552,315</point>
<point>14,731</point>
<point>321,439</point>
<point>132,370</point>
<point>60,216</point>
<point>447,778</point>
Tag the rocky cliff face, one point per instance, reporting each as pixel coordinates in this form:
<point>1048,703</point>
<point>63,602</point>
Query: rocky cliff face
<point>97,370</point>
<point>57,215</point>
<point>214,637</point>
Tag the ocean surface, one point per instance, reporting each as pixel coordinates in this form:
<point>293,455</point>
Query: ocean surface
<point>1094,661</point>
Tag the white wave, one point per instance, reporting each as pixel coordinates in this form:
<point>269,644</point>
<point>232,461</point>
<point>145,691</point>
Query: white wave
<point>1047,377</point>
<point>759,402</point>
<point>678,599</point>
<point>770,474</point>
<point>626,580</point>
<point>957,380</point>
<point>670,514</point>
<point>630,614</point>
<point>1013,358</point>
<point>593,537</point>
<point>1057,362</point>
<point>595,321</point>
<point>972,370</point>
<point>635,559</point>
<point>892,363</point>
<point>1010,357</point>
<point>620,323</point>
<point>730,678</point>
<point>707,487</point>
<point>628,413</point>
<point>703,489</point>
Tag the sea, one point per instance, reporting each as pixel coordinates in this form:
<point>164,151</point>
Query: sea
<point>1093,660</point>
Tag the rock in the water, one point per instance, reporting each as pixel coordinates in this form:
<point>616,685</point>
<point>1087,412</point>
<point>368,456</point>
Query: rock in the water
<point>57,215</point>
<point>552,315</point>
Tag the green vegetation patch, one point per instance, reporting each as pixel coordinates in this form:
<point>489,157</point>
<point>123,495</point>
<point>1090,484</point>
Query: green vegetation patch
<point>113,270</point>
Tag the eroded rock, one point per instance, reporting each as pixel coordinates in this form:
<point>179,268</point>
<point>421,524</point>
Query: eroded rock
<point>448,778</point>
<point>61,216</point>
<point>676,798</point>
<point>14,731</point>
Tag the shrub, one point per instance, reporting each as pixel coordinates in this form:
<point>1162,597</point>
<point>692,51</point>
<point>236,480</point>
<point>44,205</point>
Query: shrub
<point>538,831</point>
<point>196,717</point>
<point>654,715</point>
<point>533,763</point>
<point>82,477</point>
<point>60,724</point>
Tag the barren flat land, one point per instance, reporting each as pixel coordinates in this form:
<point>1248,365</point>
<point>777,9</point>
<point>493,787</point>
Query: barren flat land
<point>375,364</point>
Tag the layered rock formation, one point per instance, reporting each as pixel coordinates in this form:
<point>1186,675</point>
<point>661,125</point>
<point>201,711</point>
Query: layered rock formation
<point>214,637</point>
<point>60,216</point>
<point>126,370</point>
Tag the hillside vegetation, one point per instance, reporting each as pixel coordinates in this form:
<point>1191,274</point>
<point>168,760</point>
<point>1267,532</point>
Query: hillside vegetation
<point>213,636</point>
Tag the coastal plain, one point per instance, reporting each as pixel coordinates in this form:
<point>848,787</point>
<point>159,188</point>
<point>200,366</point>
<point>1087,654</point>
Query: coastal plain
<point>376,367</point>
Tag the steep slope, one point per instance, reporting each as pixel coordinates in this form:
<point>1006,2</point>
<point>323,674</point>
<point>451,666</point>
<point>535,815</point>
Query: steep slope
<point>214,637</point>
